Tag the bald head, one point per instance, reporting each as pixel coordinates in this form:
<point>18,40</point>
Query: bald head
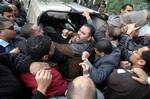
<point>81,88</point>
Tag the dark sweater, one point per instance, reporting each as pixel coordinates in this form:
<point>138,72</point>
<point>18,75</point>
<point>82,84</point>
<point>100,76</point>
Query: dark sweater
<point>10,86</point>
<point>38,95</point>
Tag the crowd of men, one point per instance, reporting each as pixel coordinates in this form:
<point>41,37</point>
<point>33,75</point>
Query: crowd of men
<point>89,64</point>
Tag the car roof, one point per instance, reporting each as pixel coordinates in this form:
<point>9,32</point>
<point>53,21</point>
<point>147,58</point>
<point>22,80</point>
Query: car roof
<point>38,7</point>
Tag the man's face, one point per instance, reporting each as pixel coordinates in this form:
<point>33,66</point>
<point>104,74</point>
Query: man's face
<point>84,34</point>
<point>37,30</point>
<point>8,32</point>
<point>101,8</point>
<point>9,16</point>
<point>15,10</point>
<point>137,54</point>
<point>128,9</point>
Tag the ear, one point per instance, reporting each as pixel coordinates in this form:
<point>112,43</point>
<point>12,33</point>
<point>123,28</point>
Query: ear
<point>45,58</point>
<point>141,62</point>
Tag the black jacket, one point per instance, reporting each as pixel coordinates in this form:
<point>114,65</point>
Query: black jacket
<point>120,85</point>
<point>10,86</point>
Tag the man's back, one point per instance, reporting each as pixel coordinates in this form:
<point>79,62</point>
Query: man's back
<point>122,86</point>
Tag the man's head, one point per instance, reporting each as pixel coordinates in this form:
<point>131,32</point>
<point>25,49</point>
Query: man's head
<point>30,29</point>
<point>102,6</point>
<point>114,20</point>
<point>39,47</point>
<point>15,10</point>
<point>81,88</point>
<point>8,13</point>
<point>85,33</point>
<point>103,47</point>
<point>141,57</point>
<point>126,8</point>
<point>114,32</point>
<point>17,4</point>
<point>7,31</point>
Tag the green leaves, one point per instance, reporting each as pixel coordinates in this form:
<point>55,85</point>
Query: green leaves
<point>116,4</point>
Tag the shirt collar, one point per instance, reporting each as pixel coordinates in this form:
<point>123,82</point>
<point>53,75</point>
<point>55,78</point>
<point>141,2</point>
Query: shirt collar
<point>3,43</point>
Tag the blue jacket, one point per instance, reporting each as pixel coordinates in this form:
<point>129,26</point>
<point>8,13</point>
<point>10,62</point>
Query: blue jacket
<point>103,66</point>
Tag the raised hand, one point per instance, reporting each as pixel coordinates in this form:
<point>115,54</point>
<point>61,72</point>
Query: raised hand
<point>43,78</point>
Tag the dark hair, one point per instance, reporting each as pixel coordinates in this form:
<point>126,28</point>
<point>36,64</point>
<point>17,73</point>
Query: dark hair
<point>6,8</point>
<point>116,35</point>
<point>146,57</point>
<point>104,45</point>
<point>17,4</point>
<point>91,28</point>
<point>125,6</point>
<point>102,3</point>
<point>26,30</point>
<point>38,46</point>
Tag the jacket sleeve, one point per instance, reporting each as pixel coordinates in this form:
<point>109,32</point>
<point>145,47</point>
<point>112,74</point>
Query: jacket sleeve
<point>104,68</point>
<point>65,49</point>
<point>22,63</point>
<point>129,43</point>
<point>38,95</point>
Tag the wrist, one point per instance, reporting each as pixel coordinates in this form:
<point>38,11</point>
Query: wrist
<point>148,80</point>
<point>42,90</point>
<point>87,75</point>
<point>88,17</point>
